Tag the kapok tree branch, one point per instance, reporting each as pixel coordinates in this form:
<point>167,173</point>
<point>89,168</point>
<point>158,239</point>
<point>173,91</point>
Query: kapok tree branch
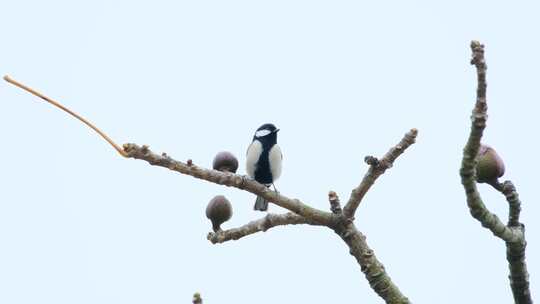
<point>228,179</point>
<point>65,109</point>
<point>515,252</point>
<point>377,168</point>
<point>300,212</point>
<point>372,268</point>
<point>514,233</point>
<point>468,172</point>
<point>261,225</point>
<point>514,204</point>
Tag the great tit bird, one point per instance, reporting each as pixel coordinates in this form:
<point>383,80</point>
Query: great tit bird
<point>263,161</point>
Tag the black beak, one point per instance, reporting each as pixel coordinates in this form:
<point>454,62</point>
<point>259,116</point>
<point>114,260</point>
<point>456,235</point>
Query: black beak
<point>277,130</point>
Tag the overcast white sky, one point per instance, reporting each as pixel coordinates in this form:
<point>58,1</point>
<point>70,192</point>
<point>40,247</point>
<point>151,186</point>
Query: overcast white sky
<point>342,79</point>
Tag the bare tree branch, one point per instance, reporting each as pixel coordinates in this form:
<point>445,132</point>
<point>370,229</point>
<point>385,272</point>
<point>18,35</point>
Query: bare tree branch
<point>514,204</point>
<point>515,252</point>
<point>228,179</point>
<point>341,220</point>
<point>479,116</point>
<point>300,212</point>
<point>519,276</point>
<point>376,169</point>
<point>372,268</point>
<point>261,225</point>
<point>513,233</point>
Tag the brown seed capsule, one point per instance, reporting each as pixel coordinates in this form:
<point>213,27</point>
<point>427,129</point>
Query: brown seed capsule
<point>489,166</point>
<point>219,210</point>
<point>225,162</point>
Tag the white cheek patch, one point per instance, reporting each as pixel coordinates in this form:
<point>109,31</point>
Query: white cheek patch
<point>262,133</point>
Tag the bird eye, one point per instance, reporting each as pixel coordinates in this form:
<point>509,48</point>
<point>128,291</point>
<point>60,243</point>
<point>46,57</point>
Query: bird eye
<point>262,133</point>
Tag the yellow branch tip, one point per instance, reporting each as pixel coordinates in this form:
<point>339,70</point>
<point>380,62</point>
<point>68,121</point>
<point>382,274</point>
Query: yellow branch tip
<point>72,113</point>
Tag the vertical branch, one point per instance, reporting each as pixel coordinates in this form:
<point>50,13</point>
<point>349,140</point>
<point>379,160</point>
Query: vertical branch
<point>515,251</point>
<point>514,204</point>
<point>519,276</point>
<point>513,234</point>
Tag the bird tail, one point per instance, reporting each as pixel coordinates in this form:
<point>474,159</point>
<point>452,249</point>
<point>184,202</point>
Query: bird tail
<point>261,204</point>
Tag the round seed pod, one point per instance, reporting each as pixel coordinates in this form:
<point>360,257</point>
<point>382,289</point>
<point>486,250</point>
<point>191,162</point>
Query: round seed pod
<point>489,166</point>
<point>219,210</point>
<point>225,162</point>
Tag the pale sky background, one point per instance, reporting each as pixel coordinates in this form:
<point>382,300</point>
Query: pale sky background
<point>342,79</point>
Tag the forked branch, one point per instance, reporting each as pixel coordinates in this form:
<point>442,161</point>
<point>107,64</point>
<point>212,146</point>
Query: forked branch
<point>513,233</point>
<point>339,221</point>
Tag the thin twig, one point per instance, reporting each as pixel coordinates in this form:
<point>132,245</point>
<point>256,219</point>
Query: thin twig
<point>261,225</point>
<point>376,169</point>
<point>63,108</point>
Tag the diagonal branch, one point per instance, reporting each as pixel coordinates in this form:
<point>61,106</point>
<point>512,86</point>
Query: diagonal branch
<point>300,212</point>
<point>228,179</point>
<point>376,169</point>
<point>373,269</point>
<point>232,180</point>
<point>513,233</point>
<point>65,109</point>
<point>261,225</point>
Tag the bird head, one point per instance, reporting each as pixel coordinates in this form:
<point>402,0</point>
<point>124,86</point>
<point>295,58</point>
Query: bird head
<point>266,132</point>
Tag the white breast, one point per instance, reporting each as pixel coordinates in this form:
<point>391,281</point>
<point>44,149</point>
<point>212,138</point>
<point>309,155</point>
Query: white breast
<point>275,158</point>
<point>252,156</point>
